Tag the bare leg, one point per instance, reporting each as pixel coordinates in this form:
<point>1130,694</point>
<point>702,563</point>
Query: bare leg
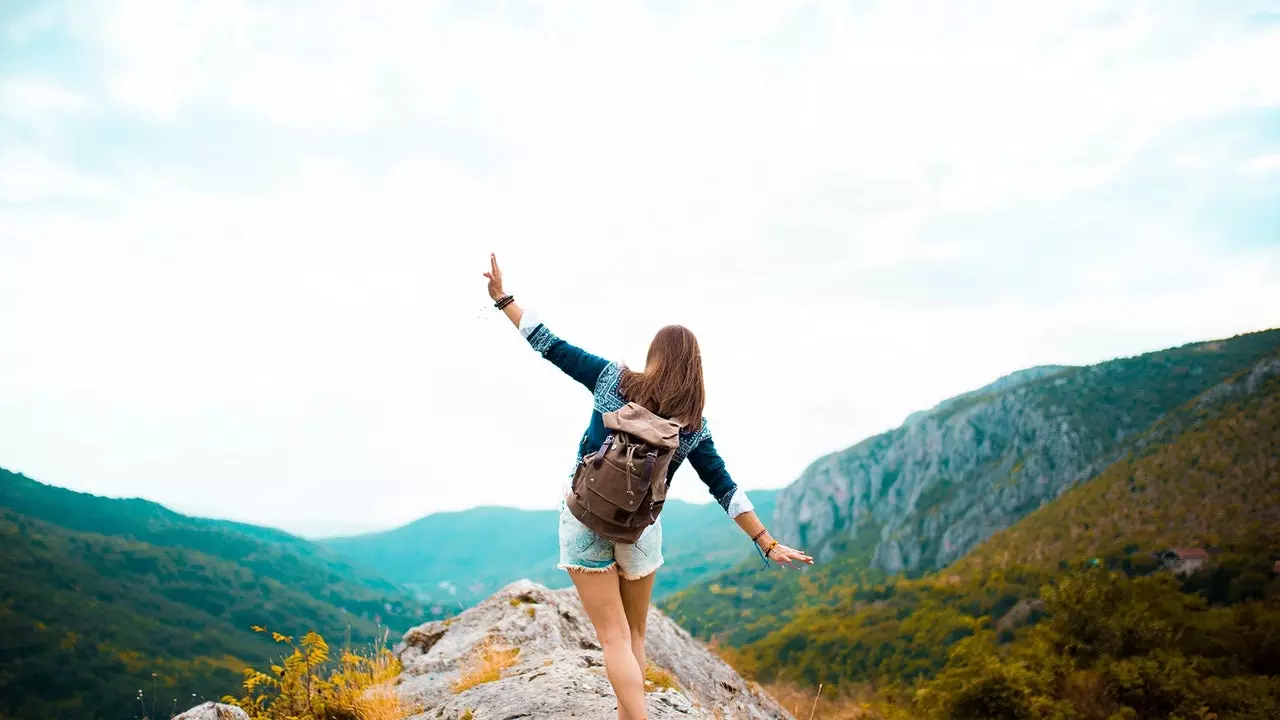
<point>635,602</point>
<point>602,599</point>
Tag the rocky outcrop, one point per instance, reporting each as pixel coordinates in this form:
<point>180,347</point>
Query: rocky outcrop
<point>213,711</point>
<point>919,497</point>
<point>557,668</point>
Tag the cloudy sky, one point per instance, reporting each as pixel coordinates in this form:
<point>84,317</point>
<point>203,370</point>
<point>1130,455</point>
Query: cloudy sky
<point>241,242</point>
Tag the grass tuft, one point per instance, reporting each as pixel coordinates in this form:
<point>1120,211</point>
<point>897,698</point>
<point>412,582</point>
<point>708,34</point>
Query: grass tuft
<point>487,665</point>
<point>658,678</point>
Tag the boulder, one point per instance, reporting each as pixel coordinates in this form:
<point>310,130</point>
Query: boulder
<point>556,667</point>
<point>214,711</point>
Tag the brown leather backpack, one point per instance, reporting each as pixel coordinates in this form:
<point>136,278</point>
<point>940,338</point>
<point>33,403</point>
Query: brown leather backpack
<point>619,489</point>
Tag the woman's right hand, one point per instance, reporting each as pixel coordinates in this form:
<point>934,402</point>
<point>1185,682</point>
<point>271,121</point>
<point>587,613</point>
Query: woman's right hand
<point>495,279</point>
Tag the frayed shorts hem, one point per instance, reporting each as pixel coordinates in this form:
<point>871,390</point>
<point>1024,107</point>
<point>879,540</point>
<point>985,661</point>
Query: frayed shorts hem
<point>584,569</point>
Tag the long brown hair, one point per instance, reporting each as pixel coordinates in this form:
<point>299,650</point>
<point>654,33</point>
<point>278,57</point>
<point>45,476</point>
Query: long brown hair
<point>671,384</point>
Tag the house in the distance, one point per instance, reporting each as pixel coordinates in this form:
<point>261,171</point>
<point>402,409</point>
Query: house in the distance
<point>1183,561</point>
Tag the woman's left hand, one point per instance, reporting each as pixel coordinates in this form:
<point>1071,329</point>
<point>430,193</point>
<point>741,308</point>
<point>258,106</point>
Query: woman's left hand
<point>495,278</point>
<point>790,557</point>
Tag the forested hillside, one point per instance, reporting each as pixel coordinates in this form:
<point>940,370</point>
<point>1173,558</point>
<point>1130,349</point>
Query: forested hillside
<point>98,594</point>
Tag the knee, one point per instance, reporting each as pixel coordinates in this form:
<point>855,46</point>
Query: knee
<point>615,638</point>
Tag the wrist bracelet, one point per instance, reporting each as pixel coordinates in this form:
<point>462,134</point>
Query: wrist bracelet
<point>759,534</point>
<point>769,549</point>
<point>504,301</point>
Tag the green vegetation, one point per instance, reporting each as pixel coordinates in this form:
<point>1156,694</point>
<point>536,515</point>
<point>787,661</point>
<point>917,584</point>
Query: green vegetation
<point>99,594</point>
<point>1114,647</point>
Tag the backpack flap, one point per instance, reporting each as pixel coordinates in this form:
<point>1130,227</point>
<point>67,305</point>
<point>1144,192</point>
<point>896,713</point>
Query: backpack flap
<point>643,425</point>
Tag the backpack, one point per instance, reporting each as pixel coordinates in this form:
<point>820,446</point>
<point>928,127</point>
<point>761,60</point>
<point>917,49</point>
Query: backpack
<point>619,489</point>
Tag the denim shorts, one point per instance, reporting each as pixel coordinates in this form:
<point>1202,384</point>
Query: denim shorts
<point>582,549</point>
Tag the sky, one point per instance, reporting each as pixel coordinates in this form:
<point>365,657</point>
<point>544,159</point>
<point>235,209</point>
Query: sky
<point>241,242</point>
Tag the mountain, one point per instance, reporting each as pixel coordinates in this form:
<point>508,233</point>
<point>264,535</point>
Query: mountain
<point>1208,475</point>
<point>455,559</point>
<point>98,594</point>
<point>1119,638</point>
<point>919,497</point>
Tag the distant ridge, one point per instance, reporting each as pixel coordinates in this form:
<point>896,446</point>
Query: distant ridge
<point>478,551</point>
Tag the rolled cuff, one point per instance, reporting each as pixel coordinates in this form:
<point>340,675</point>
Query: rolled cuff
<point>739,503</point>
<point>528,323</point>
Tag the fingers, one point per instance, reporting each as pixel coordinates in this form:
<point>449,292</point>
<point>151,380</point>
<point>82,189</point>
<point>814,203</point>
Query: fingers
<point>493,264</point>
<point>790,557</point>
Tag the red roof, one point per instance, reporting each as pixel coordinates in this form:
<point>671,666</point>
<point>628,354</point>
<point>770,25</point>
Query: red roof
<point>1192,553</point>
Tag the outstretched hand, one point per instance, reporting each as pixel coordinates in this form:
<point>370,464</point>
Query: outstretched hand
<point>495,279</point>
<point>790,557</point>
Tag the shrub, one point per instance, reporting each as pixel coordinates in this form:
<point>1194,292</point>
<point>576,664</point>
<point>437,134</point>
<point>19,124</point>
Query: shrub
<point>310,685</point>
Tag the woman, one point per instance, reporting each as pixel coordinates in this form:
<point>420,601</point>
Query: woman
<point>615,580</point>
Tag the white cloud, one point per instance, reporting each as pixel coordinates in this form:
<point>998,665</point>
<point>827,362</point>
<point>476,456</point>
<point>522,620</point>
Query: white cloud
<point>1262,163</point>
<point>29,97</point>
<point>30,176</point>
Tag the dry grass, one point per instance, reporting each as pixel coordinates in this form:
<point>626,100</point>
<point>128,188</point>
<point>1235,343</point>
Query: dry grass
<point>487,665</point>
<point>382,702</point>
<point>467,715</point>
<point>808,704</point>
<point>659,678</point>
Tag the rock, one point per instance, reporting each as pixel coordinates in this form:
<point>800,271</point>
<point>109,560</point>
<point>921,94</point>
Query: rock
<point>919,497</point>
<point>1019,614</point>
<point>559,669</point>
<point>214,711</point>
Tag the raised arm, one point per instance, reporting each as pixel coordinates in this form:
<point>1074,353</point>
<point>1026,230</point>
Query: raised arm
<point>572,360</point>
<point>710,468</point>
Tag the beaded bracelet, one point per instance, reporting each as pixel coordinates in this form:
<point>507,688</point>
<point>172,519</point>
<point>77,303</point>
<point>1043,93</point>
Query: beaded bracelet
<point>505,301</point>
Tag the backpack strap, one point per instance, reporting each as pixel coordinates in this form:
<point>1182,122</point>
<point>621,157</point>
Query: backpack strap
<point>604,448</point>
<point>649,461</point>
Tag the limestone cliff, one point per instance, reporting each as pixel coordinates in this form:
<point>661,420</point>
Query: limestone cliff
<point>918,497</point>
